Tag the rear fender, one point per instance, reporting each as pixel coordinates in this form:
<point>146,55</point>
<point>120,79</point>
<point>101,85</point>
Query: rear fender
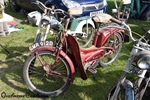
<point>53,49</point>
<point>104,34</point>
<point>120,31</point>
<point>124,36</point>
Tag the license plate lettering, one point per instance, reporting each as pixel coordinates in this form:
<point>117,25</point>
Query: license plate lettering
<point>44,43</point>
<point>39,44</point>
<point>33,46</point>
<point>96,13</point>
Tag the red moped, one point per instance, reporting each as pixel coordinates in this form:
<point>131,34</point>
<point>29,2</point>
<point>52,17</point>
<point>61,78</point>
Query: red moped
<point>50,68</point>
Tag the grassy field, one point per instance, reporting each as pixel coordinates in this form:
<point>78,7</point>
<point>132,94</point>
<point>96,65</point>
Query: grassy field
<point>12,86</point>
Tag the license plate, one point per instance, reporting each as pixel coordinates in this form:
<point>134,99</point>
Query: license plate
<point>96,13</point>
<point>39,44</point>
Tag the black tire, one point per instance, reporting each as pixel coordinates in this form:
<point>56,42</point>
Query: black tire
<point>107,60</point>
<point>45,83</point>
<point>85,41</point>
<point>14,6</point>
<point>125,93</point>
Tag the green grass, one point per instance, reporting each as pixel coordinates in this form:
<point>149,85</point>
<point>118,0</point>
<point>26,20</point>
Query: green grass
<point>94,88</point>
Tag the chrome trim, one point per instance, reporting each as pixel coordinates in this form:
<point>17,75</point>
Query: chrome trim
<point>93,6</point>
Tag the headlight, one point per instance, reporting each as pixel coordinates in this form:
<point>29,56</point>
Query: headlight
<point>144,61</point>
<point>71,4</point>
<point>144,64</point>
<point>105,2</point>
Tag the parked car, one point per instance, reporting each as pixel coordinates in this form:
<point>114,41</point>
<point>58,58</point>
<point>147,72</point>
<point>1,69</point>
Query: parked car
<point>90,7</point>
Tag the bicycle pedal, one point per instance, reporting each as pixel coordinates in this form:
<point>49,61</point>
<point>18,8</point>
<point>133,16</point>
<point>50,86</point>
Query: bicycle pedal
<point>92,70</point>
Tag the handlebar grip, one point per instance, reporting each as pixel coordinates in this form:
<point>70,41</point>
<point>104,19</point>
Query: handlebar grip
<point>116,21</point>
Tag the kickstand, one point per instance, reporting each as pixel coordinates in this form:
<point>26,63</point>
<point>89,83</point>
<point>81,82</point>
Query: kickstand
<point>5,48</point>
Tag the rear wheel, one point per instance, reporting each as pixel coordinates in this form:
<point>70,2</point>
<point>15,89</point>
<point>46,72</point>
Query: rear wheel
<point>44,80</point>
<point>114,43</point>
<point>14,6</point>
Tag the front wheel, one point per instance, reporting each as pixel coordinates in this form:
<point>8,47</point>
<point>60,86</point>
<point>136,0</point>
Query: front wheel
<point>115,43</point>
<point>124,93</point>
<point>44,77</point>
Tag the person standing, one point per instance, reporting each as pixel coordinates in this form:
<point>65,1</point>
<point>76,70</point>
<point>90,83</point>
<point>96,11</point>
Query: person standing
<point>3,24</point>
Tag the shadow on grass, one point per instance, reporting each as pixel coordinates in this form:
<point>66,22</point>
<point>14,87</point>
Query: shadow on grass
<point>13,52</point>
<point>93,88</point>
<point>11,74</point>
<point>100,83</point>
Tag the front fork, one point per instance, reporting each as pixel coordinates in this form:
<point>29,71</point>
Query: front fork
<point>121,83</point>
<point>48,68</point>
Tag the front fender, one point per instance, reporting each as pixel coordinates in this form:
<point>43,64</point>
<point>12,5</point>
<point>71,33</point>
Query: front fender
<point>129,93</point>
<point>77,24</point>
<point>82,23</point>
<point>126,86</point>
<point>53,49</point>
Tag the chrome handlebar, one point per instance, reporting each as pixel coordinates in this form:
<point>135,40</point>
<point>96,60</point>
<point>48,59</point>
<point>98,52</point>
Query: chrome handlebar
<point>48,10</point>
<point>127,27</point>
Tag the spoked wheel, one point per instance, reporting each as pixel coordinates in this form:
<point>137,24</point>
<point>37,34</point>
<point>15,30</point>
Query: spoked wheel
<point>86,38</point>
<point>114,43</point>
<point>44,80</point>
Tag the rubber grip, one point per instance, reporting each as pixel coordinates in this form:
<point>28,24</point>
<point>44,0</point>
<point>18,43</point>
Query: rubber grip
<point>116,20</point>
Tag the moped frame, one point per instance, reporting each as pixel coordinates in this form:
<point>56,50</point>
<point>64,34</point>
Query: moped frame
<point>81,56</point>
<point>103,34</point>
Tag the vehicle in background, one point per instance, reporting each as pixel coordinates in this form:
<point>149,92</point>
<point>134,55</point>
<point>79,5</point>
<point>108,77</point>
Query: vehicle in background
<point>90,7</point>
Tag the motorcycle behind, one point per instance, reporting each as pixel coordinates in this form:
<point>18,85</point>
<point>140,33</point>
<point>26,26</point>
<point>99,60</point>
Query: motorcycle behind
<point>82,28</point>
<point>122,12</point>
<point>138,65</point>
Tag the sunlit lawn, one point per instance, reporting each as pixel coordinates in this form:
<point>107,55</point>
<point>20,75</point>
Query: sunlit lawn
<point>94,88</point>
